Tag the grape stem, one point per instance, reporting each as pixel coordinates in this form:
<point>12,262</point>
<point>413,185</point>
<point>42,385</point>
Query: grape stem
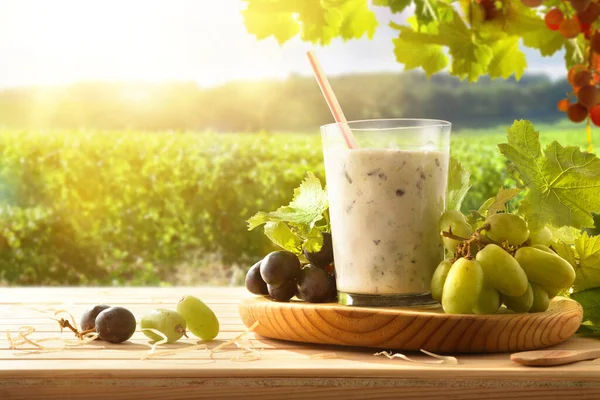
<point>464,248</point>
<point>66,324</point>
<point>181,330</point>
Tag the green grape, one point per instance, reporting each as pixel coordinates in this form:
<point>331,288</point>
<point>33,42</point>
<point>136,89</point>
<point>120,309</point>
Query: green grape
<point>540,299</point>
<point>168,322</point>
<point>200,319</point>
<point>488,301</point>
<point>457,222</point>
<point>501,271</point>
<point>462,287</point>
<point>543,237</point>
<point>439,278</point>
<point>520,304</point>
<point>548,270</point>
<point>543,248</point>
<point>507,227</point>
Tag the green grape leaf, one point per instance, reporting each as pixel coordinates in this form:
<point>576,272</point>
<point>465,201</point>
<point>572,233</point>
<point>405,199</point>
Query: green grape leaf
<point>563,182</point>
<point>507,59</point>
<point>524,22</point>
<point>458,185</point>
<point>314,240</point>
<point>426,11</point>
<point>590,301</point>
<point>396,6</point>
<point>475,218</point>
<point>415,49</point>
<point>483,210</point>
<point>588,269</point>
<point>470,58</point>
<point>306,208</point>
<point>503,197</point>
<point>566,251</point>
<point>264,21</point>
<point>317,21</point>
<point>357,20</point>
<point>565,234</point>
<point>588,330</point>
<point>280,234</point>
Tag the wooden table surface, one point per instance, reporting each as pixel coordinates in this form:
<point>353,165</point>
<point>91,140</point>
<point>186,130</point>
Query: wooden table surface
<point>286,370</point>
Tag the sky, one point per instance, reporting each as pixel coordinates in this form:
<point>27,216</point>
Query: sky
<point>55,42</point>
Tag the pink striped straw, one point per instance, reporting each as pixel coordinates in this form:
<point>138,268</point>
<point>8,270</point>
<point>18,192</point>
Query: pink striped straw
<point>331,100</point>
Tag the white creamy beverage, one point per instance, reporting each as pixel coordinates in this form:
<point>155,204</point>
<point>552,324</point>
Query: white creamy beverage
<point>385,206</point>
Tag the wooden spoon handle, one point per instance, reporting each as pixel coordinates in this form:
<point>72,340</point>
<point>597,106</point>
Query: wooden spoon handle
<point>547,358</point>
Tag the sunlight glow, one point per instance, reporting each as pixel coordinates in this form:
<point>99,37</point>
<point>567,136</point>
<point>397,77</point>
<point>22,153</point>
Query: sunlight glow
<point>56,42</point>
<point>63,41</point>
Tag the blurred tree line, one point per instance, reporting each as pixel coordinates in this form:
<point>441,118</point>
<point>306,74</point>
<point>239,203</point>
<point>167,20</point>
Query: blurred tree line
<point>293,104</point>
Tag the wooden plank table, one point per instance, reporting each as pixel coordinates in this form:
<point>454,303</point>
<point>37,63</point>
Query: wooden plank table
<point>286,370</point>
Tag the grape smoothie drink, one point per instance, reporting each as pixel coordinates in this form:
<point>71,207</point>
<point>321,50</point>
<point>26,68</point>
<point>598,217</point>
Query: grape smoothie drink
<point>385,205</point>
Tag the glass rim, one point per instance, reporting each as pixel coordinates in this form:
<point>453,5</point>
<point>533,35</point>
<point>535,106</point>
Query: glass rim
<point>425,123</point>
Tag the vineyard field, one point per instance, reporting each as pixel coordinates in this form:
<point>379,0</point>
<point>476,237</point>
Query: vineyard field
<point>132,207</point>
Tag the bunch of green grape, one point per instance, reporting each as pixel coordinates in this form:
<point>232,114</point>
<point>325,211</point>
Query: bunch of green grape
<point>499,263</point>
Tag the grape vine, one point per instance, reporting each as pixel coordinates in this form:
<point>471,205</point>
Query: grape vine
<point>469,38</point>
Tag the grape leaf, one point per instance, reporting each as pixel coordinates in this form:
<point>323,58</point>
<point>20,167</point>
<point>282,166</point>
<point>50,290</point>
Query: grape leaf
<point>470,58</point>
<point>563,182</point>
<point>306,208</point>
<point>358,20</point>
<point>524,22</point>
<point>314,240</point>
<point>415,49</point>
<point>590,301</point>
<point>588,330</point>
<point>503,197</point>
<point>317,21</point>
<point>475,218</point>
<point>396,6</point>
<point>566,251</point>
<point>426,11</point>
<point>458,184</point>
<point>565,234</point>
<point>588,267</point>
<point>483,209</point>
<point>507,59</point>
<point>264,22</point>
<point>280,234</point>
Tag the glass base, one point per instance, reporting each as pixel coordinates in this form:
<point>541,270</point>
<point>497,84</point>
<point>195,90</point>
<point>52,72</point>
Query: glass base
<point>386,300</point>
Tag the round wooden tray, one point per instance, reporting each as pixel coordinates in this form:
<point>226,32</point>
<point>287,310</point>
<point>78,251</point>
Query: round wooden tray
<point>411,329</point>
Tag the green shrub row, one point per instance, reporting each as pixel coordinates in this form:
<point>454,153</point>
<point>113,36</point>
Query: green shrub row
<point>80,207</point>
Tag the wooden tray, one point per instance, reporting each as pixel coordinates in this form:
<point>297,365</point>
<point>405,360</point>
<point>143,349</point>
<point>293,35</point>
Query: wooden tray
<point>411,329</point>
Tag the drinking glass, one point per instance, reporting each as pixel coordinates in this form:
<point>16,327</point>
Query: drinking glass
<point>385,201</point>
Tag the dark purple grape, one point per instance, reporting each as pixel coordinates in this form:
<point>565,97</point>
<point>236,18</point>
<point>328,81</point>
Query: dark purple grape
<point>279,268</point>
<point>88,319</point>
<point>115,324</point>
<point>284,292</point>
<point>254,282</point>
<point>324,256</point>
<point>315,284</point>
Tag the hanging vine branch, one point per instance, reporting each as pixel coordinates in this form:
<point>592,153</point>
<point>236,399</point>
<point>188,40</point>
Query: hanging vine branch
<point>468,38</point>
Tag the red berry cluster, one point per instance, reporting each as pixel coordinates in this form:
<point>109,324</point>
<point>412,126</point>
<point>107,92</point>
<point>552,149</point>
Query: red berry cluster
<point>584,81</point>
<point>580,20</point>
<point>572,18</point>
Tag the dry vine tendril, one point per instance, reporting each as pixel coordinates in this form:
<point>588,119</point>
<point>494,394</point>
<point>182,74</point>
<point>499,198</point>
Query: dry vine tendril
<point>63,323</point>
